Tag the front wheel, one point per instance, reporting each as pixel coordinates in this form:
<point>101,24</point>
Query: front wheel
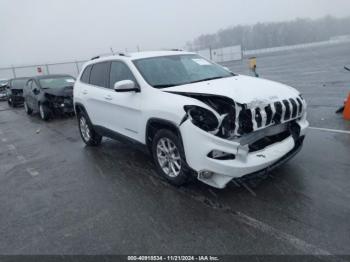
<point>44,112</point>
<point>87,133</point>
<point>169,157</point>
<point>27,108</point>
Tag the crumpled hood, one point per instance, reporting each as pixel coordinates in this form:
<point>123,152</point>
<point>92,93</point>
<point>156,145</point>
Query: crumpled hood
<point>242,89</point>
<point>63,91</point>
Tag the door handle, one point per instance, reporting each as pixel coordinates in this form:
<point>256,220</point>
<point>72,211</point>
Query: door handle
<point>85,92</point>
<point>108,97</point>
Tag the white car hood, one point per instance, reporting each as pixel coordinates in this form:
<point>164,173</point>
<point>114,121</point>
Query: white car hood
<point>242,89</point>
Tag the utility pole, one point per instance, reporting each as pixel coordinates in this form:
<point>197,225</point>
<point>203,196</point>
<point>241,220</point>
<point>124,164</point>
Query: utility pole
<point>47,69</point>
<point>13,71</point>
<point>77,66</point>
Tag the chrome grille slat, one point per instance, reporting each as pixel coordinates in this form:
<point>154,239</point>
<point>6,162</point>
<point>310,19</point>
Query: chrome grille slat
<point>277,112</point>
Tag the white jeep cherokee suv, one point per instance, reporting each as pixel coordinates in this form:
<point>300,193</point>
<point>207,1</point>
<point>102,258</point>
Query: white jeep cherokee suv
<point>195,117</point>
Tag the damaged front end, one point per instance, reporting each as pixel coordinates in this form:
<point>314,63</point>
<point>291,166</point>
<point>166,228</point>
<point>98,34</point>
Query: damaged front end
<point>15,96</point>
<point>3,93</point>
<point>231,119</point>
<point>240,138</point>
<point>59,104</point>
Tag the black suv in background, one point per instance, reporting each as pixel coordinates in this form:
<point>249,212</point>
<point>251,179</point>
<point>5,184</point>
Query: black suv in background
<point>15,91</point>
<point>49,95</point>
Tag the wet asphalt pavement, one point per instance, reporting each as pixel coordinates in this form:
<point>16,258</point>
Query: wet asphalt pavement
<point>59,197</point>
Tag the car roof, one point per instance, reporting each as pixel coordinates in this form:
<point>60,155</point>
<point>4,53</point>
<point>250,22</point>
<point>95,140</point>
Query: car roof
<point>138,55</point>
<point>50,76</point>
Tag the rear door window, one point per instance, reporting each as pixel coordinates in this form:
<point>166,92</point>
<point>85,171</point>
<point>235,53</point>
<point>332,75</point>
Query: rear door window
<point>99,75</point>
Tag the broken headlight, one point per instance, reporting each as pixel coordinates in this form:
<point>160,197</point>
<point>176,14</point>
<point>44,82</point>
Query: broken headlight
<point>202,118</point>
<point>227,127</point>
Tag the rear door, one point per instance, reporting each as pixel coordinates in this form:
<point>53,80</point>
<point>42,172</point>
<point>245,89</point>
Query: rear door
<point>95,94</point>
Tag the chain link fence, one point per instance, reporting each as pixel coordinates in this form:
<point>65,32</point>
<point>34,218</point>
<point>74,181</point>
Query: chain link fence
<point>224,54</point>
<point>70,68</point>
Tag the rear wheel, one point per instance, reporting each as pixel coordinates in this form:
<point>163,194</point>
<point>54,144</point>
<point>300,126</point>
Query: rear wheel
<point>87,133</point>
<point>9,101</point>
<point>44,112</point>
<point>27,108</point>
<point>169,157</point>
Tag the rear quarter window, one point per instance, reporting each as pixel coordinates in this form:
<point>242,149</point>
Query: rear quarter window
<point>86,75</point>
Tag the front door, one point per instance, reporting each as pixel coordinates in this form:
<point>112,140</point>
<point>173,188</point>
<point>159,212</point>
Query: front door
<point>123,108</point>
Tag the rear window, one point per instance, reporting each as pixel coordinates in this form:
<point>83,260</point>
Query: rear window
<point>99,75</point>
<point>18,83</point>
<point>86,75</point>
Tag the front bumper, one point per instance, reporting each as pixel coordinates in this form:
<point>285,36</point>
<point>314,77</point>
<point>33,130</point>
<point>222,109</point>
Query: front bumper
<point>16,99</point>
<point>198,144</point>
<point>62,107</point>
<point>3,96</point>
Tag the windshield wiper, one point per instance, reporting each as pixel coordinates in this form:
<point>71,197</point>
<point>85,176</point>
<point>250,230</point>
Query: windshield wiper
<point>207,79</point>
<point>165,85</point>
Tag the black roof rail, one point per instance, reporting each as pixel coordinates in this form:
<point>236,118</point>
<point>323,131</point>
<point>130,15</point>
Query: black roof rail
<point>95,57</point>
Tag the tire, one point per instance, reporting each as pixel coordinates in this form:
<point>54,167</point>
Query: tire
<point>44,112</point>
<point>28,110</point>
<point>87,133</point>
<point>169,157</point>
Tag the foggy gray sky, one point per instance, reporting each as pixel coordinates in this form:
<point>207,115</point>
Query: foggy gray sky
<point>44,31</point>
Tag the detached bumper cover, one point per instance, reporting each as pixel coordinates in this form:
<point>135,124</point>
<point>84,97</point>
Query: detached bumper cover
<point>284,159</point>
<point>198,144</point>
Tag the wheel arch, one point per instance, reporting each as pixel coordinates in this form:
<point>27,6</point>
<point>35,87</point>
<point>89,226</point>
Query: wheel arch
<point>154,124</point>
<point>78,107</point>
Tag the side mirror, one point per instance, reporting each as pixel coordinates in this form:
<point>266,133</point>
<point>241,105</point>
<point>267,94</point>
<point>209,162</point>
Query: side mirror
<point>36,91</point>
<point>125,86</point>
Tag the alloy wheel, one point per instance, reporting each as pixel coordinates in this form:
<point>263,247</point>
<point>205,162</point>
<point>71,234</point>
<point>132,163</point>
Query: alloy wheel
<point>42,113</point>
<point>84,129</point>
<point>169,157</point>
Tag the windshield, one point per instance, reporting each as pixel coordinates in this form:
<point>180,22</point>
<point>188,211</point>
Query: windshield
<point>57,82</point>
<point>166,71</point>
<point>18,83</point>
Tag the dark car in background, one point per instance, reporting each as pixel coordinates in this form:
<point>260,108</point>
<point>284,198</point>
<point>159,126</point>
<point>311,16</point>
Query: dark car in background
<point>49,95</point>
<point>3,93</point>
<point>15,91</point>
